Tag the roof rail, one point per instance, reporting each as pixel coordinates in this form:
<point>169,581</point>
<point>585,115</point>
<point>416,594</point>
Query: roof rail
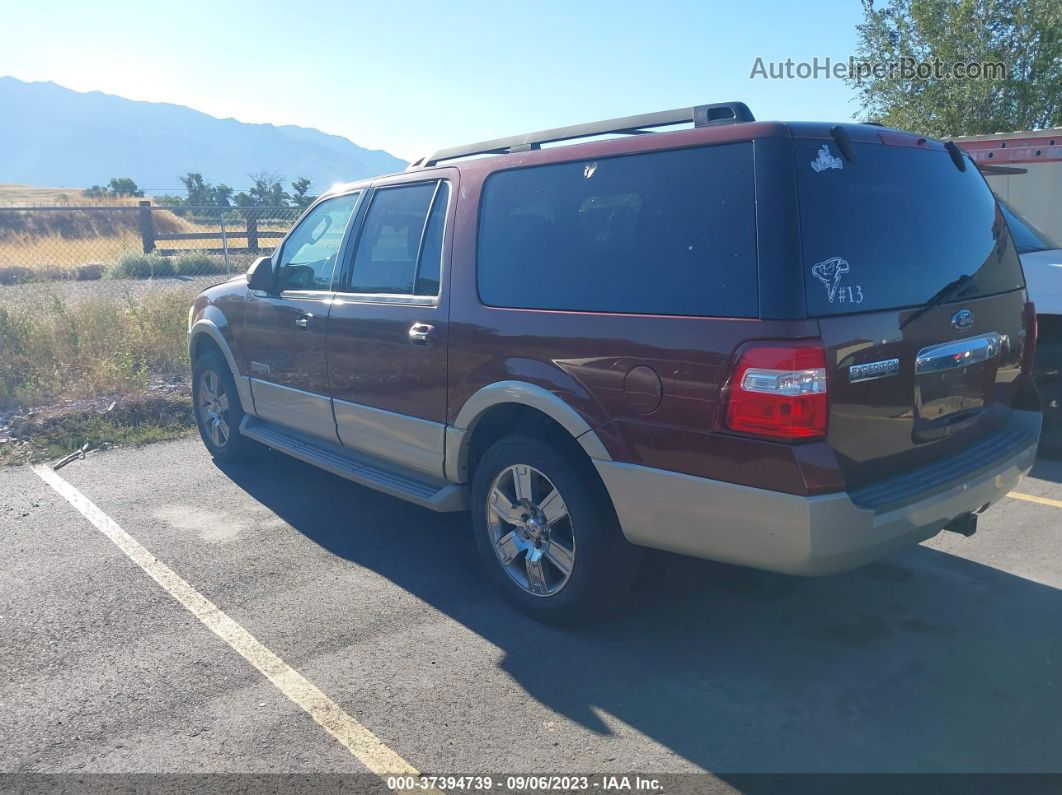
<point>699,116</point>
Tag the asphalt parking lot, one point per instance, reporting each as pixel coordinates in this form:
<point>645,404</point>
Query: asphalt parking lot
<point>945,658</point>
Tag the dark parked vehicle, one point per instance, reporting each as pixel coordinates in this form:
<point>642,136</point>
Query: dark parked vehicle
<point>790,346</point>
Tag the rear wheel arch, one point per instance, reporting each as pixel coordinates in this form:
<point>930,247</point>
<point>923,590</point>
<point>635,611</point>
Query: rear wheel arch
<point>513,419</point>
<point>507,407</point>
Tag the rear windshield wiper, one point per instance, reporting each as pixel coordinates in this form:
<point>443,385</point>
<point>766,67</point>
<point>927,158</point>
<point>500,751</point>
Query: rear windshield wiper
<point>949,290</point>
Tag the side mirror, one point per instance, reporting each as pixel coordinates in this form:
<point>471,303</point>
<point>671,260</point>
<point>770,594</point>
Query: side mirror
<point>260,275</point>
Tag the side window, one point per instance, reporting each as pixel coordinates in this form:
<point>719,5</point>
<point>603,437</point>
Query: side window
<point>669,233</point>
<point>309,254</point>
<point>431,252</point>
<point>398,241</point>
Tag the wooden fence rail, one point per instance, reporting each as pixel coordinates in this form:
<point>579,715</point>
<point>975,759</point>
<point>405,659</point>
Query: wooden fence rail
<point>251,233</point>
<point>215,235</point>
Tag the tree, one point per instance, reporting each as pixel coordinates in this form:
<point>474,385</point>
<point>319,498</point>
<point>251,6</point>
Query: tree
<point>299,197</point>
<point>204,194</point>
<point>267,191</point>
<point>118,187</point>
<point>1025,36</point>
<point>123,186</point>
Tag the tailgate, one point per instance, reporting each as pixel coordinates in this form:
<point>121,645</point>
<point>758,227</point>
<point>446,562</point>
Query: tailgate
<point>916,285</point>
<point>901,397</point>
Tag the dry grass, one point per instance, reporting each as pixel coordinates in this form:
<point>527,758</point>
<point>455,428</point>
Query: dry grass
<point>80,242</point>
<point>137,420</point>
<point>30,194</point>
<point>51,350</point>
<point>59,244</point>
<point>55,257</point>
<point>77,223</point>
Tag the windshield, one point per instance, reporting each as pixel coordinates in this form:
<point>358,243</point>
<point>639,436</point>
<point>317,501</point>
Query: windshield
<point>1027,238</point>
<point>895,225</point>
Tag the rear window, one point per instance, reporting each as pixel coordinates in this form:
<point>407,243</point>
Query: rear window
<point>669,233</point>
<point>894,226</point>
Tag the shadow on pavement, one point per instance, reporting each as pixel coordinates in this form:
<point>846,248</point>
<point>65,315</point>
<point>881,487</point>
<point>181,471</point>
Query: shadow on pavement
<point>923,662</point>
<point>1047,469</point>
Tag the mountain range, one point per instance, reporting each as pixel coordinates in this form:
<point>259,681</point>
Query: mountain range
<point>51,135</point>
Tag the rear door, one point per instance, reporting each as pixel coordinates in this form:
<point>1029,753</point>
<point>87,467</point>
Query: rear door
<point>387,330</point>
<point>916,285</point>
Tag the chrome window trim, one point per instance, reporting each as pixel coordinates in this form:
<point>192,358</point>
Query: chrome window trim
<point>386,298</point>
<point>321,295</point>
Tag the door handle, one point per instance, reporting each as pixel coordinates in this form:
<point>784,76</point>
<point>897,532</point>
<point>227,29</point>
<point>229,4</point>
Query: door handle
<point>302,322</point>
<point>960,353</point>
<point>421,334</point>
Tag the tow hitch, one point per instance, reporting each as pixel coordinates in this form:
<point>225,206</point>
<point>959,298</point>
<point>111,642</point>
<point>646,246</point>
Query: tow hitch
<point>964,524</point>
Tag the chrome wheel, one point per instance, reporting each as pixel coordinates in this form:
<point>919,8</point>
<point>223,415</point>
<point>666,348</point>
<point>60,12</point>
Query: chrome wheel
<point>213,407</point>
<point>530,530</point>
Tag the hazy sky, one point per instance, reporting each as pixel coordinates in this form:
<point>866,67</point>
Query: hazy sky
<point>411,76</point>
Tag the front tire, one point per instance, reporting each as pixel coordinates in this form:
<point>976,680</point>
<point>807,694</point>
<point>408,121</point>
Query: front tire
<point>547,532</point>
<point>218,411</point>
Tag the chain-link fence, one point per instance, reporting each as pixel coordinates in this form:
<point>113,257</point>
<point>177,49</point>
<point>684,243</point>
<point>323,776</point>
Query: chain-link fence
<point>135,241</point>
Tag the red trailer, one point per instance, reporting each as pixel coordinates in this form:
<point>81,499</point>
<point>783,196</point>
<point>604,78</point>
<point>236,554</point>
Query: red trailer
<point>1025,170</point>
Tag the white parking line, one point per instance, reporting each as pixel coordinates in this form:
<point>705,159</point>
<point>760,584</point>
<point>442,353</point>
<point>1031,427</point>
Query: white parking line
<point>357,739</point>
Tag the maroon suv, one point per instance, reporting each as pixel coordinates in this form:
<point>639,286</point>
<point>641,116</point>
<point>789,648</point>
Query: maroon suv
<point>790,346</point>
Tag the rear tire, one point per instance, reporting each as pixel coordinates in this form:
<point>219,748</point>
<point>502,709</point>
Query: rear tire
<point>217,407</point>
<point>547,532</point>
<point>1048,378</point>
<point>1050,390</point>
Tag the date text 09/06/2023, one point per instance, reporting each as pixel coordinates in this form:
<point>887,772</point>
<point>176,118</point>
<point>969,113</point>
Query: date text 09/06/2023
<point>524,783</point>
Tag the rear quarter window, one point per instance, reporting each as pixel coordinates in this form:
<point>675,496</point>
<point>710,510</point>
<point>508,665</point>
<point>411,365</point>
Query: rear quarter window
<point>670,233</point>
<point>894,225</point>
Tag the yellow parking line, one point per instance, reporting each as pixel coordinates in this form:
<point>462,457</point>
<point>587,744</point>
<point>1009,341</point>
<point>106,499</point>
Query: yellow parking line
<point>355,737</point>
<point>1032,498</point>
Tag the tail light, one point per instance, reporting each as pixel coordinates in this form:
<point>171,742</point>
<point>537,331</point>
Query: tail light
<point>778,390</point>
<point>1028,351</point>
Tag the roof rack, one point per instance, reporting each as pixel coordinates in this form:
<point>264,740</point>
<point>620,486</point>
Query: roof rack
<point>700,116</point>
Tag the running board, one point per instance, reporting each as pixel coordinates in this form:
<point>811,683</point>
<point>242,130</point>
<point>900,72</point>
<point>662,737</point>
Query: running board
<point>415,487</point>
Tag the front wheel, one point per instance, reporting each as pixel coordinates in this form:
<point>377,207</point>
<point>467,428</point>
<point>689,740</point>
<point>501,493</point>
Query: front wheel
<point>547,532</point>
<point>218,412</point>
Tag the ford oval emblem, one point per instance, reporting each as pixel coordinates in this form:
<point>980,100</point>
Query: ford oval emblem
<point>964,318</point>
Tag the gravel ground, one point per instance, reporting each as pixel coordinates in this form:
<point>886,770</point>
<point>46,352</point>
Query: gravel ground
<point>73,290</point>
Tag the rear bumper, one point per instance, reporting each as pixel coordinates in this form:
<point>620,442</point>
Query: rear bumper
<point>789,533</point>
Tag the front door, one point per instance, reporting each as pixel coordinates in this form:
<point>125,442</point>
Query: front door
<point>284,329</point>
<point>387,328</point>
